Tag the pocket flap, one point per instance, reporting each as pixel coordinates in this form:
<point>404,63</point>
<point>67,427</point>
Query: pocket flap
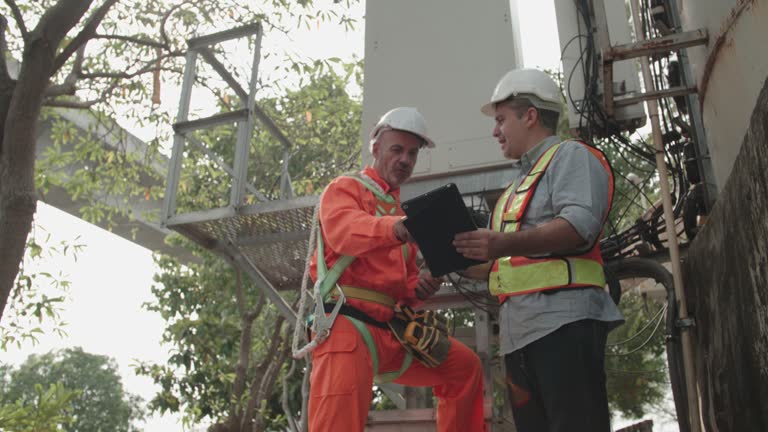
<point>339,341</point>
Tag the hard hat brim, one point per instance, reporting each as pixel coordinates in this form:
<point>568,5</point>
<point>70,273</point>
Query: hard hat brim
<point>489,109</point>
<point>428,143</point>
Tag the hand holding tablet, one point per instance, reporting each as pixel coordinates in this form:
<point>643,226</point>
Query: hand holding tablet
<point>434,218</point>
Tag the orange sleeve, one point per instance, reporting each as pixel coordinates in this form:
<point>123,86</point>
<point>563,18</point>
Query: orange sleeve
<point>347,226</point>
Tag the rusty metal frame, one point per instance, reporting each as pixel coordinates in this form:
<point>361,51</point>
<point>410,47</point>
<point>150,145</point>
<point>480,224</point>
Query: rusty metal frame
<point>672,42</point>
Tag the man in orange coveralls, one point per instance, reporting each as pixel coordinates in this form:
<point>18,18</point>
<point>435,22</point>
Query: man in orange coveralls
<point>360,216</point>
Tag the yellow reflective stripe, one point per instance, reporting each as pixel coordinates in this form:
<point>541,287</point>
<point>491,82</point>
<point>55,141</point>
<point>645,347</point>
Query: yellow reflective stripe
<point>529,180</point>
<point>511,227</point>
<point>538,169</point>
<point>546,274</point>
<point>541,165</point>
<point>531,276</point>
<point>517,204</point>
<point>525,188</point>
<point>586,272</point>
<point>498,211</point>
<point>364,294</point>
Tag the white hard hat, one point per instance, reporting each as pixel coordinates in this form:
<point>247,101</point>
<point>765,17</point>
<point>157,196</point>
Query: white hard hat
<point>405,119</point>
<point>532,84</point>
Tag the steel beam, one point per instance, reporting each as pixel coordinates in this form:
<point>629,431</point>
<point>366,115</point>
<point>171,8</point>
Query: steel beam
<point>281,205</point>
<point>201,216</point>
<point>174,169</point>
<point>266,287</point>
<point>273,238</point>
<point>212,39</point>
<point>263,117</point>
<point>214,120</point>
<point>647,47</point>
<point>245,132</point>
<point>657,94</point>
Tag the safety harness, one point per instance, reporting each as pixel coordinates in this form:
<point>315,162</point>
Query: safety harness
<point>421,334</point>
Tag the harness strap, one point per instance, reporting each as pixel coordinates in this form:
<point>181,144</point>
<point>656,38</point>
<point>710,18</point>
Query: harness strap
<point>357,314</point>
<point>365,294</point>
<point>379,378</point>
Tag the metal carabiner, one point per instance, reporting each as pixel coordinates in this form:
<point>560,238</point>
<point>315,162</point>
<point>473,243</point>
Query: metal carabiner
<point>321,324</point>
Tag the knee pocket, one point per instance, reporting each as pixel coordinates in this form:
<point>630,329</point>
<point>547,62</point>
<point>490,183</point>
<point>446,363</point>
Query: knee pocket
<point>337,365</point>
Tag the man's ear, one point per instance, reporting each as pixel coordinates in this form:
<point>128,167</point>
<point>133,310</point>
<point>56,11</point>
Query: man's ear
<point>531,116</point>
<point>375,150</point>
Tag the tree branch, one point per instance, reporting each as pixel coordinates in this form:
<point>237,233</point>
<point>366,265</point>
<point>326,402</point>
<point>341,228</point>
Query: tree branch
<point>132,39</point>
<point>150,66</point>
<point>19,19</point>
<point>85,34</point>
<point>261,373</point>
<point>246,330</point>
<point>126,75</point>
<point>68,86</point>
<point>163,33</point>
<point>59,103</point>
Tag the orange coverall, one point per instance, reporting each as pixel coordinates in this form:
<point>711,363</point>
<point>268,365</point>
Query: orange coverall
<point>342,372</point>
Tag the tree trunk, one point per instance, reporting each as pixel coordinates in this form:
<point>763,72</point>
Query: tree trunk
<point>17,163</point>
<point>18,201</point>
<point>246,332</point>
<point>261,376</point>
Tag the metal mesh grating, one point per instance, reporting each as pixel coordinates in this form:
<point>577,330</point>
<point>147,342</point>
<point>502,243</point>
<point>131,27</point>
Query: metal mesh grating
<point>275,241</point>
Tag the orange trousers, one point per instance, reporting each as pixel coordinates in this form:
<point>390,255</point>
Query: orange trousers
<point>342,380</point>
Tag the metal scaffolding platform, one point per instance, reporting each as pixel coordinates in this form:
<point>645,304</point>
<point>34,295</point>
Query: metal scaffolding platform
<point>267,240</point>
<point>272,235</point>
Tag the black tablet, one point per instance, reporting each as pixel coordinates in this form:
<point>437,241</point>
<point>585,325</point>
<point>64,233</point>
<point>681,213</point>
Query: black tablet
<point>434,218</point>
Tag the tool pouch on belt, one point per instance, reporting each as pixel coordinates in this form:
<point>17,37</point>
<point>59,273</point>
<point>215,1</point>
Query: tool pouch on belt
<point>422,334</point>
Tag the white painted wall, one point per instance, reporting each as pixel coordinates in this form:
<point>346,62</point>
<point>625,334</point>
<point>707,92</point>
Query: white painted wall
<point>737,75</point>
<point>443,57</point>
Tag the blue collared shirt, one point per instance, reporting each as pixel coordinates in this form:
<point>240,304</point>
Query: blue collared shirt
<point>574,187</point>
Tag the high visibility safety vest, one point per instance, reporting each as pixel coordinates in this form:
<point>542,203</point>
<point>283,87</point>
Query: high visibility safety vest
<point>387,205</point>
<point>511,276</point>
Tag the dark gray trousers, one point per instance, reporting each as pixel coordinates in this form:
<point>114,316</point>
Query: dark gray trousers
<point>557,383</point>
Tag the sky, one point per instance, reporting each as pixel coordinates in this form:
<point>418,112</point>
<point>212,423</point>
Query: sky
<point>112,277</point>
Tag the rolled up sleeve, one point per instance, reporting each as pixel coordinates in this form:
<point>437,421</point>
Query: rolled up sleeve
<point>580,190</point>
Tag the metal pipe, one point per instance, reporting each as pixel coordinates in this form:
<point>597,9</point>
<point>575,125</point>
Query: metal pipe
<point>669,222</point>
